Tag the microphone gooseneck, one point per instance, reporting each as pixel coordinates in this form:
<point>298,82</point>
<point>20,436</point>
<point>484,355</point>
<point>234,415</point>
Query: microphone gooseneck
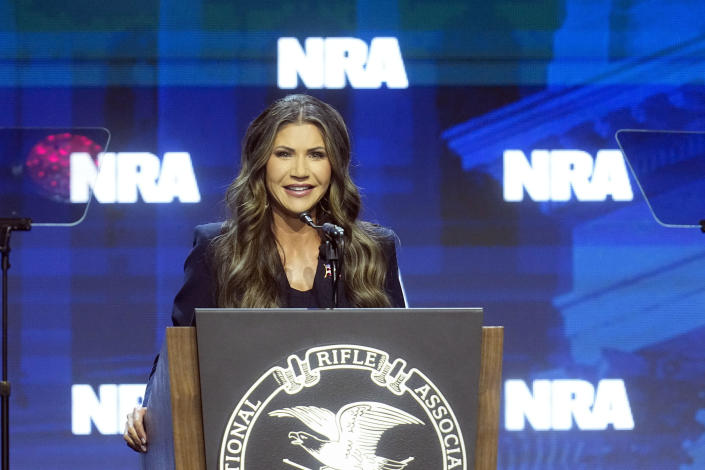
<point>332,230</point>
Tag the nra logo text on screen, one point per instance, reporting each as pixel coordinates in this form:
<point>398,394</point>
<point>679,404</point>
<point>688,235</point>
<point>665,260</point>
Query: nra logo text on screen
<point>557,405</point>
<point>121,177</point>
<point>558,175</point>
<point>328,62</point>
<point>104,411</point>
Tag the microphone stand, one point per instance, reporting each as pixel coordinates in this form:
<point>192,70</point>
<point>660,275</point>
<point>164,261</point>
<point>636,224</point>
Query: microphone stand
<point>333,251</point>
<point>7,226</point>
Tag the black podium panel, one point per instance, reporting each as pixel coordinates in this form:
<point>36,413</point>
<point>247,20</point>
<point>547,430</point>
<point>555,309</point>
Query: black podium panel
<point>346,389</point>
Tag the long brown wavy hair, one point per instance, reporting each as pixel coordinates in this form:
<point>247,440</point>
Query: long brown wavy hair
<point>245,255</point>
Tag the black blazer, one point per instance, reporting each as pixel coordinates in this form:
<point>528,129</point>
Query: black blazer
<point>198,290</point>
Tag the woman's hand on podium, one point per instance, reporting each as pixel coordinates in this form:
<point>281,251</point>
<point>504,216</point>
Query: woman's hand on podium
<point>135,436</point>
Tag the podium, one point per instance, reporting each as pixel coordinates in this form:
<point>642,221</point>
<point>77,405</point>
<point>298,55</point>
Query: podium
<point>175,417</point>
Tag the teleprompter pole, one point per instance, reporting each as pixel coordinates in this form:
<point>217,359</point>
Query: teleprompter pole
<point>7,226</point>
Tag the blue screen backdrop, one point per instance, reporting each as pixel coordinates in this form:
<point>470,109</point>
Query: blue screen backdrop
<point>592,292</point>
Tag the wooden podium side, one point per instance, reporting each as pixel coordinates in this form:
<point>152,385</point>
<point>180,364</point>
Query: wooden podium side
<point>488,398</point>
<point>174,418</point>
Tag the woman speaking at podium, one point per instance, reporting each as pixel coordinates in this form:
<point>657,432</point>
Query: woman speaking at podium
<point>293,212</point>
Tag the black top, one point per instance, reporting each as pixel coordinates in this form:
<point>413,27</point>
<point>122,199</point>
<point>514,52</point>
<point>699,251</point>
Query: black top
<point>198,290</point>
<point>301,299</point>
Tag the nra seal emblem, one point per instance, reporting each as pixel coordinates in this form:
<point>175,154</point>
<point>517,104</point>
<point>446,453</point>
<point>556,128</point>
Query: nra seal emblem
<point>342,407</point>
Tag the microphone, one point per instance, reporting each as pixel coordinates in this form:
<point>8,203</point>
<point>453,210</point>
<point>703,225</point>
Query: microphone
<point>332,230</point>
<point>305,217</point>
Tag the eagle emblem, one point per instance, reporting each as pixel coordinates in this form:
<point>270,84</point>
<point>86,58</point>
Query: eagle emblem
<point>350,436</point>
